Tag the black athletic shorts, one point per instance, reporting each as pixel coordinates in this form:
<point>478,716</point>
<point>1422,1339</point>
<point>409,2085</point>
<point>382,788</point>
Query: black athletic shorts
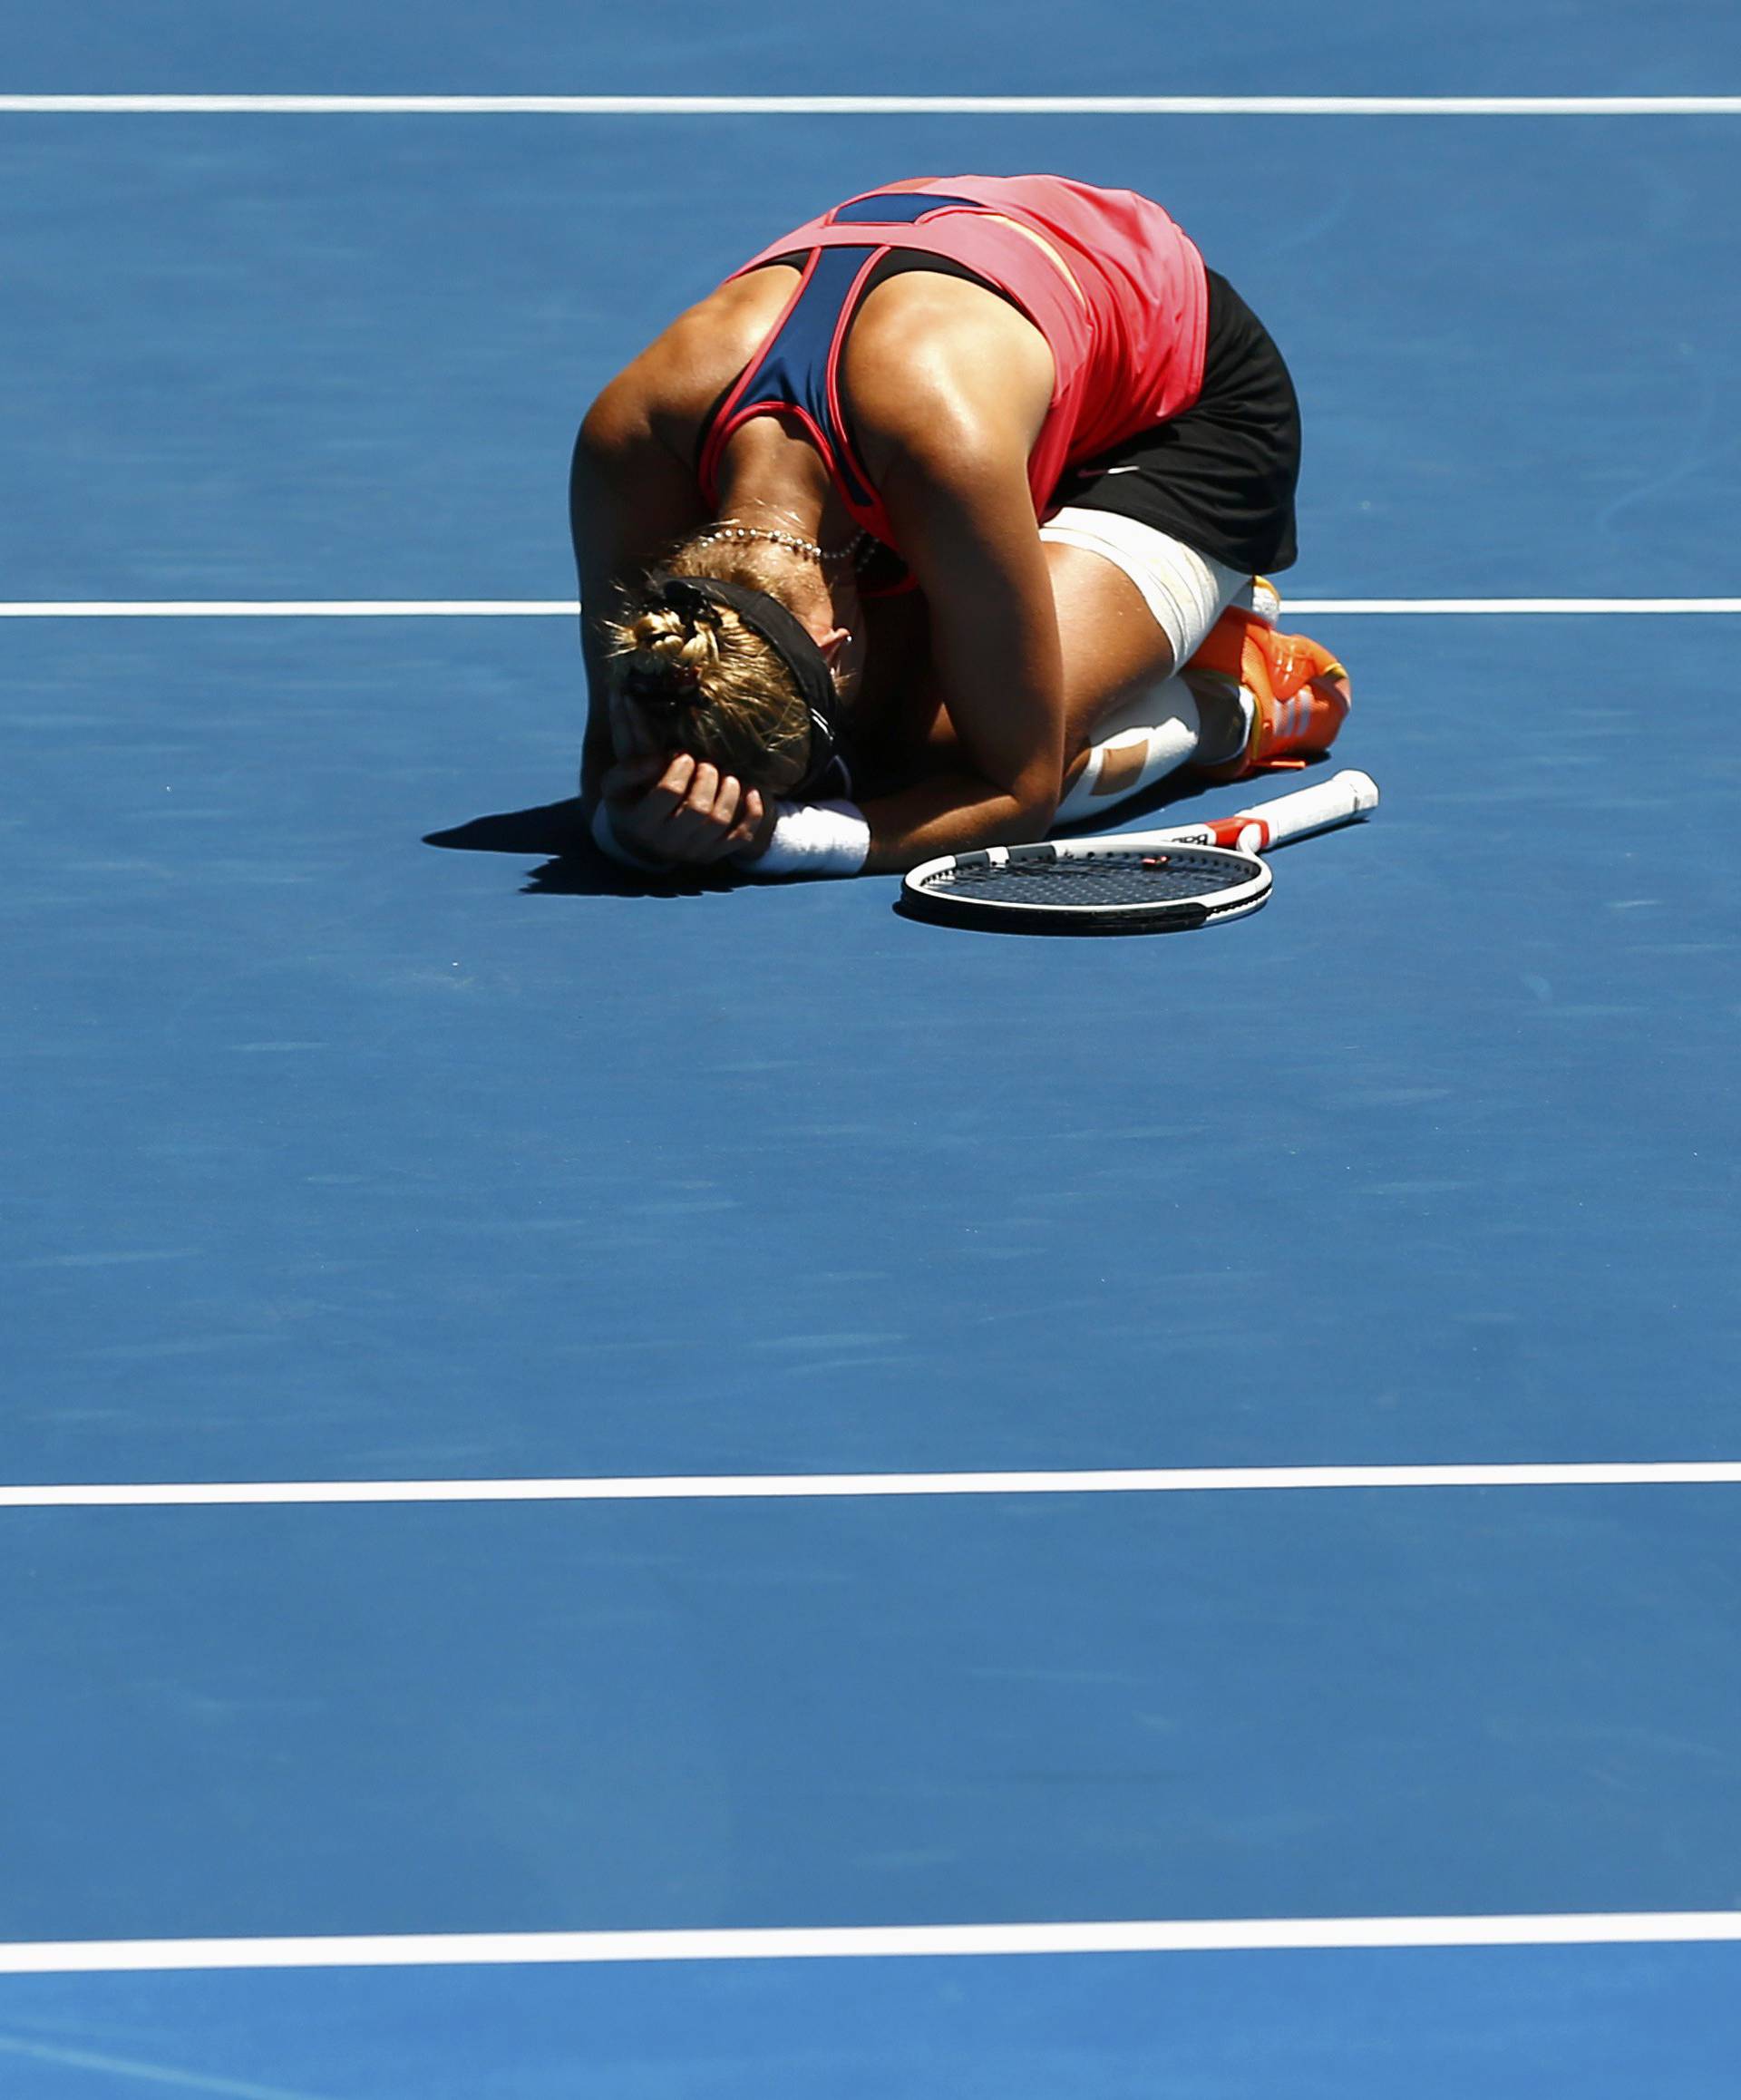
<point>1222,475</point>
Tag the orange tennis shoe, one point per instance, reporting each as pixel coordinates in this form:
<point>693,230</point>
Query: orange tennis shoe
<point>1297,692</point>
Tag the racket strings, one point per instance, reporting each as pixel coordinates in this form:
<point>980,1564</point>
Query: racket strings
<point>1077,884</point>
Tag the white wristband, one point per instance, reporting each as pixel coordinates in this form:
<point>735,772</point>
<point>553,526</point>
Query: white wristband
<point>814,838</point>
<point>604,836</point>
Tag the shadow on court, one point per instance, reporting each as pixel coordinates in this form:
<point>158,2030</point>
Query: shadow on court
<point>575,867</point>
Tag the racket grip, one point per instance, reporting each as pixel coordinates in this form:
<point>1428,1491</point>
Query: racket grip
<point>1318,808</point>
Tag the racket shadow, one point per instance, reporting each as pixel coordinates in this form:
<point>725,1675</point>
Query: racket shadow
<point>1006,925</point>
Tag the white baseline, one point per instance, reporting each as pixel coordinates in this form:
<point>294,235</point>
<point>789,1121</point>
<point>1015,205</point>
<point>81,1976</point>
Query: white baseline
<point>817,1487</point>
<point>960,105</point>
<point>382,609</point>
<point>1161,1936</point>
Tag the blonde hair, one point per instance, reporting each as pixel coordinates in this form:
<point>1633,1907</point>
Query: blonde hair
<point>708,685</point>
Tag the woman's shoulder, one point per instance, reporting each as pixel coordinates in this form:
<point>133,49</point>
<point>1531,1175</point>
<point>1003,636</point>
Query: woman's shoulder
<point>937,364</point>
<point>670,388</point>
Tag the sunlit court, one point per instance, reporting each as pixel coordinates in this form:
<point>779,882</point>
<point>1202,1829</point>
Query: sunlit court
<point>663,1482</point>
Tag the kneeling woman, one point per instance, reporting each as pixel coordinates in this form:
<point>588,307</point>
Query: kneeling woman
<point>895,543</point>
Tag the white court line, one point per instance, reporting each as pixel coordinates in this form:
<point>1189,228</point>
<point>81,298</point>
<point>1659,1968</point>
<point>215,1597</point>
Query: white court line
<point>818,1487</point>
<point>1159,1936</point>
<point>876,105</point>
<point>377,609</point>
<point>1485,606</point>
<point>291,608</point>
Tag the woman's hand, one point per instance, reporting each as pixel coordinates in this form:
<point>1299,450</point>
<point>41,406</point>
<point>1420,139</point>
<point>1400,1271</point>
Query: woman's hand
<point>680,810</point>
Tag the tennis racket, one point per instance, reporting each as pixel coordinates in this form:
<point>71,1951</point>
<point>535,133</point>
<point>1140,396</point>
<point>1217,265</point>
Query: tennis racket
<point>1133,881</point>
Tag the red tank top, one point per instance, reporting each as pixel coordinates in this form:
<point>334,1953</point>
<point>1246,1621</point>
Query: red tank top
<point>1112,283</point>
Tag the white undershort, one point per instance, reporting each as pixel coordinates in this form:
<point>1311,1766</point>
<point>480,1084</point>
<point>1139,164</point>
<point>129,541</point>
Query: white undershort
<point>1186,592</point>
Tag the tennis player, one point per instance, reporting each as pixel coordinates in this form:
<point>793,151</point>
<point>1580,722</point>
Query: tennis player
<point>942,519</point>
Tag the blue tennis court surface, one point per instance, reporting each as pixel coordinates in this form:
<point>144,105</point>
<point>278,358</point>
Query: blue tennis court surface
<point>924,1712</point>
<point>345,1155</point>
<point>343,357</point>
<point>358,1131</point>
<point>1608,2023</point>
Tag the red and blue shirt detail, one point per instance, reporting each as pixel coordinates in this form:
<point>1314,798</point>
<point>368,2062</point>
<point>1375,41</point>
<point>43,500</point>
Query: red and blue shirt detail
<point>1113,285</point>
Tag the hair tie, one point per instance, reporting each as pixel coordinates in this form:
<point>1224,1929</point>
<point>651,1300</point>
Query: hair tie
<point>673,594</point>
<point>670,685</point>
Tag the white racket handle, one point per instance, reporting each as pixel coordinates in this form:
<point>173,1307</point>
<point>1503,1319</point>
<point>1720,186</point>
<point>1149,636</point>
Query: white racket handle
<point>1318,808</point>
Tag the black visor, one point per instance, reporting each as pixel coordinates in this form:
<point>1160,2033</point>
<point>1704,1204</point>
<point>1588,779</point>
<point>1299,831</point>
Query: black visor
<point>786,635</point>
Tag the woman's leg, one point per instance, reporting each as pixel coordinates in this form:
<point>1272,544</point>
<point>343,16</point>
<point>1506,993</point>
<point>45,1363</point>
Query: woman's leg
<point>1128,601</point>
<point>1131,607</point>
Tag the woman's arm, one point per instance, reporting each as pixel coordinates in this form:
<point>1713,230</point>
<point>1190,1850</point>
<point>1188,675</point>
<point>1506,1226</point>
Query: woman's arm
<point>967,525</point>
<point>628,495</point>
<point>947,428</point>
<point>632,486</point>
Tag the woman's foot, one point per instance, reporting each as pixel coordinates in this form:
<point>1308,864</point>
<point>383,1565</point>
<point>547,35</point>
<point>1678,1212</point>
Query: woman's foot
<point>1266,700</point>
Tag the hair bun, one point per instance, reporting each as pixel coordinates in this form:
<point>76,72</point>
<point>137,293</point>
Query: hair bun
<point>666,656</point>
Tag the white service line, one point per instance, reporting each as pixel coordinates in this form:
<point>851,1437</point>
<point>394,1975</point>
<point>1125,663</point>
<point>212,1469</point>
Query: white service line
<point>1159,1936</point>
<point>380,609</point>
<point>818,1487</point>
<point>962,105</point>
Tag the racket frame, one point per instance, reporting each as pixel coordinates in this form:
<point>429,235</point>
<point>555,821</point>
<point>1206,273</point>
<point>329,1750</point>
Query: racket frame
<point>1342,798</point>
<point>1247,888</point>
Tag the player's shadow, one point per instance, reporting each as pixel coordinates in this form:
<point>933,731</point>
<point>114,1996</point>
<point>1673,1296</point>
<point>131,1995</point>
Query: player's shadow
<point>573,866</point>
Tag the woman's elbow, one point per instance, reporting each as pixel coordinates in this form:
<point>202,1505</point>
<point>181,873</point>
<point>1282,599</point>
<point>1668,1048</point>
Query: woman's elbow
<point>1030,809</point>
<point>1039,789</point>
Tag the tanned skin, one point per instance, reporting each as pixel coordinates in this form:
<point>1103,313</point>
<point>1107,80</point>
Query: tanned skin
<point>978,696</point>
